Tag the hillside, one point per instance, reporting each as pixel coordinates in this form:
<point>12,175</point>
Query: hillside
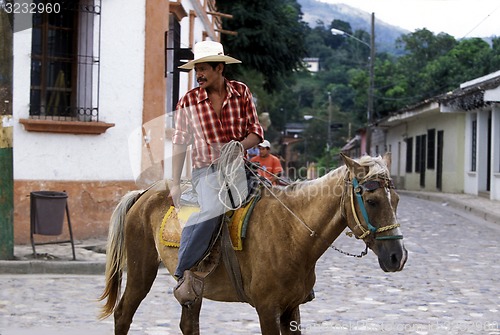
<point>385,34</point>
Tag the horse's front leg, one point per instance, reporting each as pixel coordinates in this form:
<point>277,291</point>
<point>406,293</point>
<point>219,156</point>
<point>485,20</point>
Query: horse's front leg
<point>269,321</point>
<point>190,318</point>
<point>290,322</point>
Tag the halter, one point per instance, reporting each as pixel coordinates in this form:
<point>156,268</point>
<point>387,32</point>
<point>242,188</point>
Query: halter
<point>357,189</point>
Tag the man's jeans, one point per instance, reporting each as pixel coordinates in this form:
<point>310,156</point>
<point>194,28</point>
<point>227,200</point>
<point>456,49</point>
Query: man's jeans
<point>200,227</point>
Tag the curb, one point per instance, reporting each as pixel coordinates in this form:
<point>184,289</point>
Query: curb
<point>58,267</point>
<point>455,203</point>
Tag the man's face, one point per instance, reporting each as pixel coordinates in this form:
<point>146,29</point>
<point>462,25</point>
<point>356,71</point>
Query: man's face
<point>206,75</point>
<point>264,151</point>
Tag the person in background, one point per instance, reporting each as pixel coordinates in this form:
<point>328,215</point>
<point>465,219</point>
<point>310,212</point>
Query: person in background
<point>270,165</point>
<point>252,152</point>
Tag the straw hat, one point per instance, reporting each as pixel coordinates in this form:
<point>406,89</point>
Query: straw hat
<point>208,51</point>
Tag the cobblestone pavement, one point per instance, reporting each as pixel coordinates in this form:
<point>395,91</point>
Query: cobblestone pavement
<point>449,286</point>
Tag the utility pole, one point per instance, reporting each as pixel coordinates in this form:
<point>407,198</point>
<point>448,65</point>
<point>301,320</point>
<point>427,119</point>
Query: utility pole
<point>6,160</point>
<point>369,111</point>
<point>371,84</point>
<point>329,137</point>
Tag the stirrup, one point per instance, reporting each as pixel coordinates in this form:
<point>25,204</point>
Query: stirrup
<point>189,288</point>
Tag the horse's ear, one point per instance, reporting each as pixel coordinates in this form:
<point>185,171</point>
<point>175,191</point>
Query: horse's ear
<point>354,167</point>
<point>345,158</point>
<point>388,160</point>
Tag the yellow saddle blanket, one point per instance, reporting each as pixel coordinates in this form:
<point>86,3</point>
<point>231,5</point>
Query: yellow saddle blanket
<point>174,221</point>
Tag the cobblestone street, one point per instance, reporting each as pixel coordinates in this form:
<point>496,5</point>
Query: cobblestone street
<point>449,286</point>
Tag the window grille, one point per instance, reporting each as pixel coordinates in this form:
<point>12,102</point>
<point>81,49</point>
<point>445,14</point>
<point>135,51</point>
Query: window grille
<point>65,60</point>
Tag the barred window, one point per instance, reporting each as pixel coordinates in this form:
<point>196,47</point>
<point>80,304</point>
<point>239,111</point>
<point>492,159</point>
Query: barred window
<point>65,62</point>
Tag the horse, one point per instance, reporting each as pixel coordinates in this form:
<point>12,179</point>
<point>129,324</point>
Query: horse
<point>289,229</point>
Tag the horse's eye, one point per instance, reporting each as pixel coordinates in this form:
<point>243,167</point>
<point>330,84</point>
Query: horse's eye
<point>371,202</point>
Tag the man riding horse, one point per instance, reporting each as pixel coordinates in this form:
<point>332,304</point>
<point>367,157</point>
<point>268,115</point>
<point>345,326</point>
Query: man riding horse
<point>216,112</point>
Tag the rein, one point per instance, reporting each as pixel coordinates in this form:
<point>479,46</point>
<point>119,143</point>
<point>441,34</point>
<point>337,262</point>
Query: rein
<point>357,189</point>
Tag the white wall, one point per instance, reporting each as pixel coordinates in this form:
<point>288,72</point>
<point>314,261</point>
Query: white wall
<point>395,141</point>
<point>452,174</point>
<point>49,156</point>
<point>495,148</point>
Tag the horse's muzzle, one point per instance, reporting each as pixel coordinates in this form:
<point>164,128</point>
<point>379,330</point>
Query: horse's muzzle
<point>393,259</point>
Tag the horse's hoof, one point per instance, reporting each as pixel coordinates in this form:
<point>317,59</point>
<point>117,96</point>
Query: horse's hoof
<point>188,289</point>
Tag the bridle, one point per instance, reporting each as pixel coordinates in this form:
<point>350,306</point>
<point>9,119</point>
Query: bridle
<point>357,193</point>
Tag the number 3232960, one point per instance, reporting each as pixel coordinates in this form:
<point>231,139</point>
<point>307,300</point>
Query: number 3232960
<point>30,8</point>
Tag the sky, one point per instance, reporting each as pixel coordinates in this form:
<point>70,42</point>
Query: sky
<point>459,18</point>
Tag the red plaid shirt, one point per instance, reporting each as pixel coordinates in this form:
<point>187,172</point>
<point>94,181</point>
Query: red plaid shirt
<point>197,123</point>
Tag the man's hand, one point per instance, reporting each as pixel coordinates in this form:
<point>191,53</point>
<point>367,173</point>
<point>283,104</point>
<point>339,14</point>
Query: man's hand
<point>175,193</point>
<point>237,152</point>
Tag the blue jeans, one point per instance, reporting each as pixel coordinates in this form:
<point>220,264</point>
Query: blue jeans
<point>201,227</point>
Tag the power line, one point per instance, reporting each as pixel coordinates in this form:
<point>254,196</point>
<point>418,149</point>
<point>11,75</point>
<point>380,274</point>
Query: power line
<point>481,22</point>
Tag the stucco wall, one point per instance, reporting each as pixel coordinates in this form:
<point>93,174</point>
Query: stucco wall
<point>95,170</point>
<point>49,156</point>
<point>495,182</point>
<point>453,161</point>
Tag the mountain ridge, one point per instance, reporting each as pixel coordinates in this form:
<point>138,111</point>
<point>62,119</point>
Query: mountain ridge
<point>315,11</point>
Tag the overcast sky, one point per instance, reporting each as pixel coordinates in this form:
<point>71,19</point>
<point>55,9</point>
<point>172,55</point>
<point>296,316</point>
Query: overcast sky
<point>459,18</point>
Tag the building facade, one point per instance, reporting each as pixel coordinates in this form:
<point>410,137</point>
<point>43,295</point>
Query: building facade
<point>450,143</point>
<point>95,86</point>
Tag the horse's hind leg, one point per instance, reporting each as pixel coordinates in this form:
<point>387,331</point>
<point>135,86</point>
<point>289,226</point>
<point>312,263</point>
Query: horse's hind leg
<point>290,322</point>
<point>142,268</point>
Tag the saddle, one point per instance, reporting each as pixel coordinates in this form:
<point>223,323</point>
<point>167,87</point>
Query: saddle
<point>236,220</point>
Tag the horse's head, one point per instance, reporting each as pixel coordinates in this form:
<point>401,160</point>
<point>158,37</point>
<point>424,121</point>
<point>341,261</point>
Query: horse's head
<point>370,204</point>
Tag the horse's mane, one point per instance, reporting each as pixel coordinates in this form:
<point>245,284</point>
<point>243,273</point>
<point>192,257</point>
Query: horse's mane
<point>376,167</point>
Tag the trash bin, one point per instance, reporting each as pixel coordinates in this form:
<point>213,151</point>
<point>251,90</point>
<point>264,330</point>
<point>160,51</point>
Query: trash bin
<point>47,212</point>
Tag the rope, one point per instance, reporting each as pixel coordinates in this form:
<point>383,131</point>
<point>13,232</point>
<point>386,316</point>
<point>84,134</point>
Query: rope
<point>312,232</point>
<point>230,161</point>
<point>229,166</point>
<point>257,165</point>
<point>371,229</point>
<point>358,223</point>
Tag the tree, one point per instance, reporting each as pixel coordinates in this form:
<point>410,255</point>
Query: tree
<point>270,37</point>
<point>6,28</point>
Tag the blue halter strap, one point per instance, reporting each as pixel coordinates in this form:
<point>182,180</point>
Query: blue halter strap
<point>357,190</point>
<point>359,198</point>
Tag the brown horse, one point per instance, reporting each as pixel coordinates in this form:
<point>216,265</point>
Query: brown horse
<point>289,230</point>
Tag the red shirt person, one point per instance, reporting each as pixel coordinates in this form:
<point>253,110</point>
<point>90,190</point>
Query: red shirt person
<point>270,165</point>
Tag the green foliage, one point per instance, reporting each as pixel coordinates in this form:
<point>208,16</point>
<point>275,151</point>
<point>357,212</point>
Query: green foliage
<point>272,40</point>
<point>270,36</point>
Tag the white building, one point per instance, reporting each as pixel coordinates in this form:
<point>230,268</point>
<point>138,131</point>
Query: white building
<point>450,143</point>
<point>93,95</point>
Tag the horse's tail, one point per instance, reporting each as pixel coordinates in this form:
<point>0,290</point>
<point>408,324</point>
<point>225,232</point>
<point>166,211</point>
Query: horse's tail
<point>116,255</point>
